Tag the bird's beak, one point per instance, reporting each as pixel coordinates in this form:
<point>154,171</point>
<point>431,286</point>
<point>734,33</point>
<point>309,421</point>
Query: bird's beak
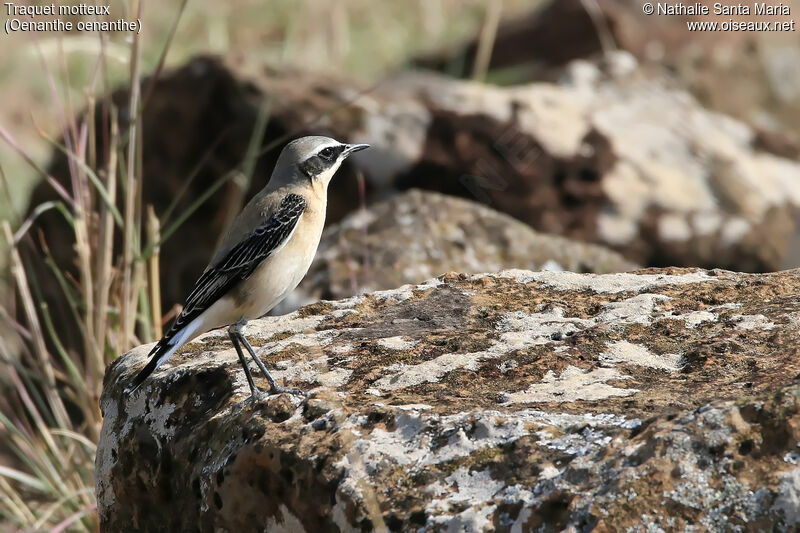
<point>350,148</point>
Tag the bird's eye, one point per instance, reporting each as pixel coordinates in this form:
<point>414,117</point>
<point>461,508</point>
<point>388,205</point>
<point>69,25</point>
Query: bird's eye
<point>326,153</point>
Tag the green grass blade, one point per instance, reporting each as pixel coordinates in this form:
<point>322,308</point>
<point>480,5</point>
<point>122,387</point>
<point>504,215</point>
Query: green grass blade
<point>21,477</point>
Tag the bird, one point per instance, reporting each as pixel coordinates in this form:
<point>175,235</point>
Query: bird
<point>263,256</point>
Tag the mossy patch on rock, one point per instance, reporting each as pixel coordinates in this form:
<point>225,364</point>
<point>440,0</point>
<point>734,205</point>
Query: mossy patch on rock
<point>491,402</point>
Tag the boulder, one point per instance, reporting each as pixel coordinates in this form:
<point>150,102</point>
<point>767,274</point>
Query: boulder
<point>750,75</point>
<point>614,156</point>
<point>663,399</point>
<point>418,235</point>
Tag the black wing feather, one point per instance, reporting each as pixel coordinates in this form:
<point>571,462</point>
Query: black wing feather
<point>236,266</point>
<point>240,261</point>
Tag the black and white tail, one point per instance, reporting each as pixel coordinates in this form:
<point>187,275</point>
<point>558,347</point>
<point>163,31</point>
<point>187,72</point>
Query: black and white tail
<point>163,349</point>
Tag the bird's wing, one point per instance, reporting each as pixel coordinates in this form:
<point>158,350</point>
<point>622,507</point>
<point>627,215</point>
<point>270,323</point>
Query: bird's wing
<point>240,261</point>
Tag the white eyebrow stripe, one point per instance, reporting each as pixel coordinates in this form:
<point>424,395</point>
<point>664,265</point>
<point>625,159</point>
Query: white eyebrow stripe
<point>322,147</point>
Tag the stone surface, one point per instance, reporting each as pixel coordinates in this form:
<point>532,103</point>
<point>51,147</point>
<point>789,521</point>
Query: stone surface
<point>517,401</point>
<point>418,235</point>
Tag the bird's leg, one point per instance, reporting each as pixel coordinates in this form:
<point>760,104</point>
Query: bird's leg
<point>274,388</point>
<point>234,335</point>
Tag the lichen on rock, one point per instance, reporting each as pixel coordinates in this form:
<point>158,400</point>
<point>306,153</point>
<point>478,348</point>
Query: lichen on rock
<point>489,402</point>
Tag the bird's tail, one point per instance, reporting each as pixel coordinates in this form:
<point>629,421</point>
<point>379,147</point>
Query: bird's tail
<point>164,348</point>
<point>158,355</point>
<point>174,339</point>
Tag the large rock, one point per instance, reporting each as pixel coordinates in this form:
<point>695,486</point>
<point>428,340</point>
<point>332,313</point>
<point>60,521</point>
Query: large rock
<point>518,401</point>
<point>613,156</point>
<point>418,235</point>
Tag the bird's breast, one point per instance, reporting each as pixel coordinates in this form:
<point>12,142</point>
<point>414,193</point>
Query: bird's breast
<point>281,272</point>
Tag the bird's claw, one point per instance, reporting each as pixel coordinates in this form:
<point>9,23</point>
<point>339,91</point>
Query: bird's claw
<point>257,396</point>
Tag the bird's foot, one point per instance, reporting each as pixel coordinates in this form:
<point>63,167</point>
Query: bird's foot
<point>257,396</point>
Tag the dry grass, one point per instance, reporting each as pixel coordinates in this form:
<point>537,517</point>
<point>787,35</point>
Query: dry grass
<point>50,414</point>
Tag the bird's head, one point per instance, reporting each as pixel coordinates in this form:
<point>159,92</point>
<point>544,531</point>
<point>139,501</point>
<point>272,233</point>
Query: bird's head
<point>312,159</point>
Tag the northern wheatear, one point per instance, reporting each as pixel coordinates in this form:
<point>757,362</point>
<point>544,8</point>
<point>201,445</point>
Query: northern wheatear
<point>264,255</point>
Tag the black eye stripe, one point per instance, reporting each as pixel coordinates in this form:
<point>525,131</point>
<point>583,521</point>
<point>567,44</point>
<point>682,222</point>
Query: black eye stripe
<point>324,159</point>
<point>331,153</point>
